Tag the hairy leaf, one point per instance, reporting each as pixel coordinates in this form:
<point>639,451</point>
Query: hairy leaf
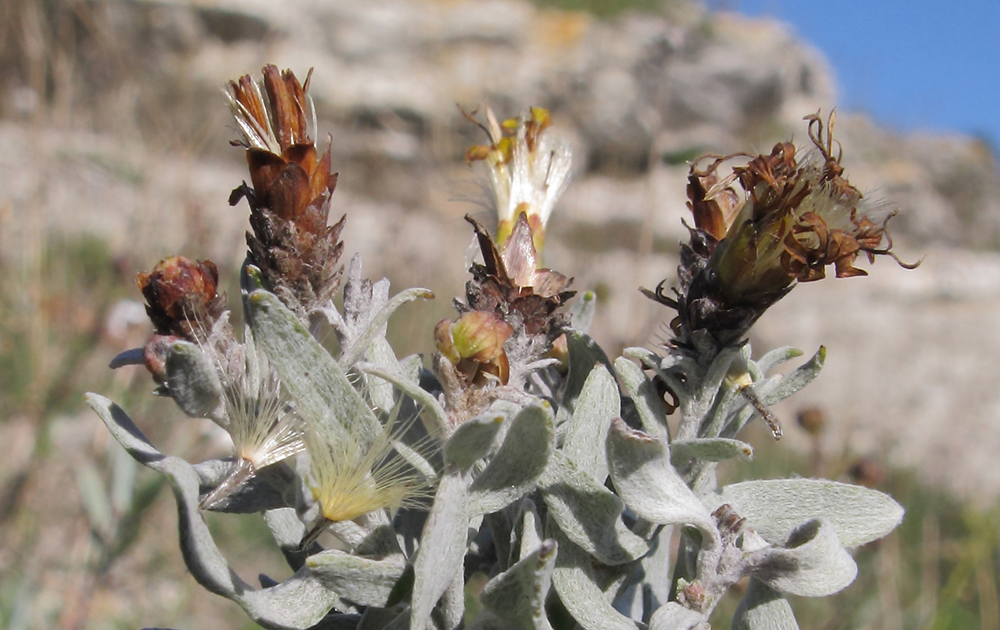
<point>776,507</point>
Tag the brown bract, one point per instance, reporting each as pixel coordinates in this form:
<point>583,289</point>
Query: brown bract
<point>291,243</point>
<point>511,285</point>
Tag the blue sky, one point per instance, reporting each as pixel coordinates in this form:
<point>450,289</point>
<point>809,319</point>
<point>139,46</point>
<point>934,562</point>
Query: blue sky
<point>916,64</point>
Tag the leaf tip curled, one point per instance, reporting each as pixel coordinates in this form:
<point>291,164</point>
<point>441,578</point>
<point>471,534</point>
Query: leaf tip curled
<point>821,355</point>
<point>619,427</point>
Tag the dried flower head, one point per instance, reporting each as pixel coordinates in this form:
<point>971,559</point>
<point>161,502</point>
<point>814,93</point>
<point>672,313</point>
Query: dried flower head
<point>291,243</point>
<point>792,218</point>
<point>183,303</point>
<point>511,284</point>
<point>182,296</point>
<point>529,168</point>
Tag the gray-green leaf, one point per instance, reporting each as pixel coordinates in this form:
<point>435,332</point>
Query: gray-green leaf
<point>776,507</point>
<point>763,608</point>
<point>649,485</point>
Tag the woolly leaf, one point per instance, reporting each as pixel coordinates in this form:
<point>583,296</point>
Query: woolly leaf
<point>515,599</point>
<point>588,513</point>
<point>380,392</point>
<point>776,507</point>
<point>673,616</point>
<point>362,581</point>
<point>709,449</point>
<point>376,326</point>
<point>649,485</point>
<point>779,389</point>
<point>811,563</point>
<point>581,314</point>
<point>584,354</point>
<point>515,468</point>
<point>442,547</point>
<point>647,402</point>
<point>574,581</point>
<point>299,602</point>
<point>472,440</point>
<point>321,390</point>
<point>288,532</point>
<point>776,357</point>
<point>763,608</point>
<point>426,400</point>
<point>597,404</point>
<point>193,382</point>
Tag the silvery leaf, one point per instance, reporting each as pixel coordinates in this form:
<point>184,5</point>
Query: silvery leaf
<point>584,354</point>
<point>299,602</point>
<point>581,314</point>
<point>593,410</point>
<point>426,400</point>
<point>515,468</point>
<point>775,507</point>
<point>380,392</point>
<point>362,581</point>
<point>194,383</point>
<point>288,532</point>
<point>472,440</point>
<point>322,392</point>
<point>673,616</point>
<point>776,357</point>
<point>265,489</point>
<point>711,381</point>
<point>376,326</point>
<point>588,513</point>
<point>811,563</point>
<point>710,450</point>
<point>515,599</point>
<point>575,583</point>
<point>763,608</point>
<point>649,485</point>
<point>779,389</point>
<point>648,404</point>
<point>528,536</point>
<point>442,547</point>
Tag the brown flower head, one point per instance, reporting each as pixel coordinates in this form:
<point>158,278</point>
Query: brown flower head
<point>182,297</point>
<point>792,219</point>
<point>291,243</point>
<point>183,303</point>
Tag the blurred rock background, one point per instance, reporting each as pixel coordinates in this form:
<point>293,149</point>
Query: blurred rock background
<point>114,153</point>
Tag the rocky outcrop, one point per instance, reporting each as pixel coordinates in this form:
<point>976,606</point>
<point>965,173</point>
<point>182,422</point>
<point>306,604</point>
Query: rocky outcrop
<point>145,153</point>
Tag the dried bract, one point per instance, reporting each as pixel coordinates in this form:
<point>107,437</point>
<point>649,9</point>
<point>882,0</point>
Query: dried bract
<point>792,219</point>
<point>291,243</point>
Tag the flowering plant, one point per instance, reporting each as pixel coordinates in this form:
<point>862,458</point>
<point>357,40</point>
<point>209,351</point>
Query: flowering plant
<point>523,451</point>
